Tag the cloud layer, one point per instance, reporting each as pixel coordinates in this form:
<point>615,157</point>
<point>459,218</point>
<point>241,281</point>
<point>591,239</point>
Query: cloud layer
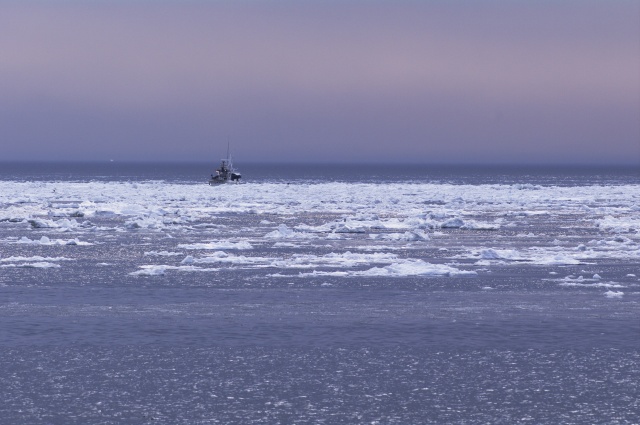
<point>309,81</point>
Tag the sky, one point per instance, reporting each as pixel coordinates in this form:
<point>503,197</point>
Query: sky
<point>545,82</point>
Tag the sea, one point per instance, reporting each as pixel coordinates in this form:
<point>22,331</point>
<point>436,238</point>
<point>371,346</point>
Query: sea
<point>319,294</point>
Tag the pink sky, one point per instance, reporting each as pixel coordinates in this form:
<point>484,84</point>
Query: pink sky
<point>437,81</point>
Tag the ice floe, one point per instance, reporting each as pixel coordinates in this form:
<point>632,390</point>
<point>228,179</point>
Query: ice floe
<point>593,285</point>
<point>405,268</point>
<point>339,264</point>
<point>33,262</point>
<point>502,254</point>
<point>284,232</point>
<point>534,255</point>
<point>36,265</point>
<point>162,253</point>
<point>223,257</point>
<point>45,240</point>
<point>624,224</point>
<point>583,282</point>
<point>161,270</point>
<point>341,260</point>
<point>344,217</point>
<point>409,236</point>
<point>156,221</point>
<point>63,225</point>
<point>415,268</point>
<point>459,223</point>
<point>284,245</point>
<point>33,258</point>
<point>219,245</point>
<point>364,201</point>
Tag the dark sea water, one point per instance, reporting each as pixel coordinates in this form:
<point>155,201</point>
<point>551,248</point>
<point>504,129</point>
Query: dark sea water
<point>189,173</point>
<point>312,294</point>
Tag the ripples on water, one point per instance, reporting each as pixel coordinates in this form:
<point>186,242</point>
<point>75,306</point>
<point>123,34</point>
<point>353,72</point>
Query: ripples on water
<point>146,384</point>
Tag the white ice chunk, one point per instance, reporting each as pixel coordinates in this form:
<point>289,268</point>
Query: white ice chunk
<point>415,268</point>
<point>43,224</point>
<point>151,271</point>
<point>350,227</point>
<point>402,268</point>
<point>217,245</point>
<point>63,225</point>
<point>162,253</point>
<point>452,223</point>
<point>44,240</point>
<point>40,265</point>
<point>105,213</point>
<point>623,224</point>
<point>458,223</point>
<point>284,232</point>
<point>412,236</point>
<point>37,265</point>
<point>67,225</point>
<point>284,245</point>
<point>476,225</point>
<point>556,260</point>
<point>161,270</point>
<point>580,284</point>
<point>187,260</point>
<point>223,257</point>
<point>37,258</point>
<point>152,223</point>
<point>540,256</point>
<point>501,254</point>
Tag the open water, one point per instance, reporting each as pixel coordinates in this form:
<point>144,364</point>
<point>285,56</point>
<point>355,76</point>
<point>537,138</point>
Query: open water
<point>138,294</point>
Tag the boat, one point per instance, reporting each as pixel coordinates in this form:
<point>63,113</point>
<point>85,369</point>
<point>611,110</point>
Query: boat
<point>226,172</point>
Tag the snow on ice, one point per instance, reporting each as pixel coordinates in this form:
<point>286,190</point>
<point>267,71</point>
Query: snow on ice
<point>333,228</point>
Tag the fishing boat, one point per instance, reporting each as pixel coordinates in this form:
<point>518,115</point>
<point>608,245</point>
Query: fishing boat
<point>226,172</point>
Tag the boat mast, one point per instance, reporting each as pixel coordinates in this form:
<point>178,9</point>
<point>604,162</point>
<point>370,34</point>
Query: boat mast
<point>229,155</point>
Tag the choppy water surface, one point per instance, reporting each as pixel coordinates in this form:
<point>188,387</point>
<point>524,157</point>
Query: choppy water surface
<point>451,297</point>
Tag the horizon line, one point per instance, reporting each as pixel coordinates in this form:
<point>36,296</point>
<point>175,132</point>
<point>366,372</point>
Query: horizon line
<point>337,163</point>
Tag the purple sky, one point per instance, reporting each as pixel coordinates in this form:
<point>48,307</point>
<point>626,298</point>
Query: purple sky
<point>417,81</point>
